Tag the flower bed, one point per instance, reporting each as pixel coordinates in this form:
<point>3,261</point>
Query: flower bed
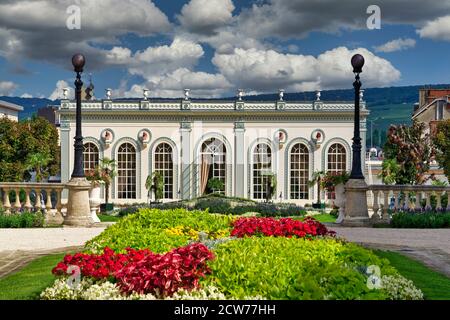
<point>285,227</point>
<point>179,254</point>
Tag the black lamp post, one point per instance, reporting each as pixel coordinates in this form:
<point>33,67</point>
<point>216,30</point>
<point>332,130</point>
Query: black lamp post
<point>357,63</point>
<point>78,62</point>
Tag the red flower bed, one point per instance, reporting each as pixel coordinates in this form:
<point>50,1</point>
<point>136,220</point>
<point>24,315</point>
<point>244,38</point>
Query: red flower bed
<point>285,227</point>
<point>143,271</point>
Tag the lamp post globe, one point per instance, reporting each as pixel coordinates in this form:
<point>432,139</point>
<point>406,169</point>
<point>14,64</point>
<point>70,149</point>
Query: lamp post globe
<point>357,63</point>
<point>78,61</point>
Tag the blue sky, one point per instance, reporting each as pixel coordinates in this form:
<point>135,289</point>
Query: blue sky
<point>214,47</point>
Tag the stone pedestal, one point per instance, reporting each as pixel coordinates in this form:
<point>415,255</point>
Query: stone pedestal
<point>356,212</point>
<point>78,208</point>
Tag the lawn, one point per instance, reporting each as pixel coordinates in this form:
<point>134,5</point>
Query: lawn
<point>108,218</point>
<point>28,283</point>
<point>434,285</point>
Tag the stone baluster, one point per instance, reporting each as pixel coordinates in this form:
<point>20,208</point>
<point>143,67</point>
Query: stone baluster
<point>406,200</point>
<point>448,201</point>
<point>396,202</point>
<point>48,203</point>
<point>58,201</point>
<point>428,201</point>
<point>17,204</point>
<point>6,203</point>
<point>376,205</point>
<point>438,200</point>
<point>418,206</point>
<point>28,206</point>
<point>37,205</point>
<point>385,215</point>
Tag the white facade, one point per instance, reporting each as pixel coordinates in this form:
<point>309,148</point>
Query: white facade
<point>300,137</point>
<point>10,110</point>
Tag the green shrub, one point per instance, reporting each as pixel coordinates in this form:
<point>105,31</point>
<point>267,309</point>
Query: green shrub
<point>288,268</point>
<point>147,229</point>
<point>420,220</point>
<point>22,220</point>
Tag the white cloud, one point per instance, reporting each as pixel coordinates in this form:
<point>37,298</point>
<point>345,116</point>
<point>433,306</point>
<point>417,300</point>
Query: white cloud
<point>26,95</point>
<point>438,29</point>
<point>37,29</point>
<point>268,70</point>
<point>205,16</point>
<point>7,88</point>
<point>58,92</point>
<point>171,85</point>
<point>396,45</point>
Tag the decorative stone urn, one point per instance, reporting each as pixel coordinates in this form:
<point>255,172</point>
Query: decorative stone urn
<point>339,191</point>
<point>95,201</point>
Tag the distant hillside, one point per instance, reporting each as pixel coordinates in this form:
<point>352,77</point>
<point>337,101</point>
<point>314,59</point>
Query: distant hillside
<point>387,106</point>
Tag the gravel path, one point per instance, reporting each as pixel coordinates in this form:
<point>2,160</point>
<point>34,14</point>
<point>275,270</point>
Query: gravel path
<point>430,246</point>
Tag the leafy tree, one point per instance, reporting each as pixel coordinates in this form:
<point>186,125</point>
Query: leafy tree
<point>158,185</point>
<point>20,140</point>
<point>36,161</point>
<point>389,171</point>
<point>215,184</point>
<point>441,141</point>
<point>107,169</point>
<point>317,178</point>
<point>411,149</point>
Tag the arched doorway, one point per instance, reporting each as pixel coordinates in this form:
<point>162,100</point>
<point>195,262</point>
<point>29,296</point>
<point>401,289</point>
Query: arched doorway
<point>212,166</point>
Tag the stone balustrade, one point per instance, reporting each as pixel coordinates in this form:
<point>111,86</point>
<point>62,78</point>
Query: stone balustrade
<point>405,198</point>
<point>38,197</point>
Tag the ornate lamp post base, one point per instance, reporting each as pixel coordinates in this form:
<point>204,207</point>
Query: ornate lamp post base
<point>78,208</point>
<point>356,212</point>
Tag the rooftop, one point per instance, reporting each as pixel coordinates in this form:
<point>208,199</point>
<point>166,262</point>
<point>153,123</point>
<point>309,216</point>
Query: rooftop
<point>10,106</point>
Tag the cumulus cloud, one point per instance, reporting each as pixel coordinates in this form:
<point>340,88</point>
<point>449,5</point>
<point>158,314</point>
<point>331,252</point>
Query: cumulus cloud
<point>205,16</point>
<point>26,95</point>
<point>438,29</point>
<point>171,85</point>
<point>7,88</point>
<point>268,70</point>
<point>288,18</point>
<point>58,92</point>
<point>37,29</point>
<point>396,45</point>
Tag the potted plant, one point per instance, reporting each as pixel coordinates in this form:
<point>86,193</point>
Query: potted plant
<point>94,177</point>
<point>107,169</point>
<point>317,179</point>
<point>216,185</point>
<point>157,186</point>
<point>335,182</point>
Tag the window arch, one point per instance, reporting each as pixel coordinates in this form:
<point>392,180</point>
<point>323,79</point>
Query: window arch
<point>126,171</point>
<point>262,163</point>
<point>337,158</point>
<point>299,171</point>
<point>90,156</point>
<point>337,162</point>
<point>164,166</point>
<point>213,155</point>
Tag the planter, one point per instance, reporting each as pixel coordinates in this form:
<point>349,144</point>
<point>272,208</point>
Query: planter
<point>340,201</point>
<point>318,205</point>
<point>94,202</point>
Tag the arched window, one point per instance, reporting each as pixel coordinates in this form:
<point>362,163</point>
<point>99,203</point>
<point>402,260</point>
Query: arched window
<point>262,164</point>
<point>299,171</point>
<point>337,161</point>
<point>164,166</point>
<point>126,171</point>
<point>213,164</point>
<point>90,157</point>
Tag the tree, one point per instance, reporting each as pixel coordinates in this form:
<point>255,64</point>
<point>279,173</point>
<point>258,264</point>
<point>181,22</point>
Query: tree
<point>317,178</point>
<point>412,150</point>
<point>215,184</point>
<point>107,169</point>
<point>19,140</point>
<point>158,185</point>
<point>441,141</point>
<point>389,171</point>
<point>36,161</point>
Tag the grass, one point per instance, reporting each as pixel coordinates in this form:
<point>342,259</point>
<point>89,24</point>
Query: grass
<point>323,217</point>
<point>108,218</point>
<point>28,283</point>
<point>434,285</point>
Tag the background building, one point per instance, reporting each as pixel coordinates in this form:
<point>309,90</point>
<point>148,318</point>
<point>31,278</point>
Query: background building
<point>10,110</point>
<point>192,141</point>
<point>433,106</point>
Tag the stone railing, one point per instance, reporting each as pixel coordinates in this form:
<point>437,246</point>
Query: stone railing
<point>45,197</point>
<point>406,198</point>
